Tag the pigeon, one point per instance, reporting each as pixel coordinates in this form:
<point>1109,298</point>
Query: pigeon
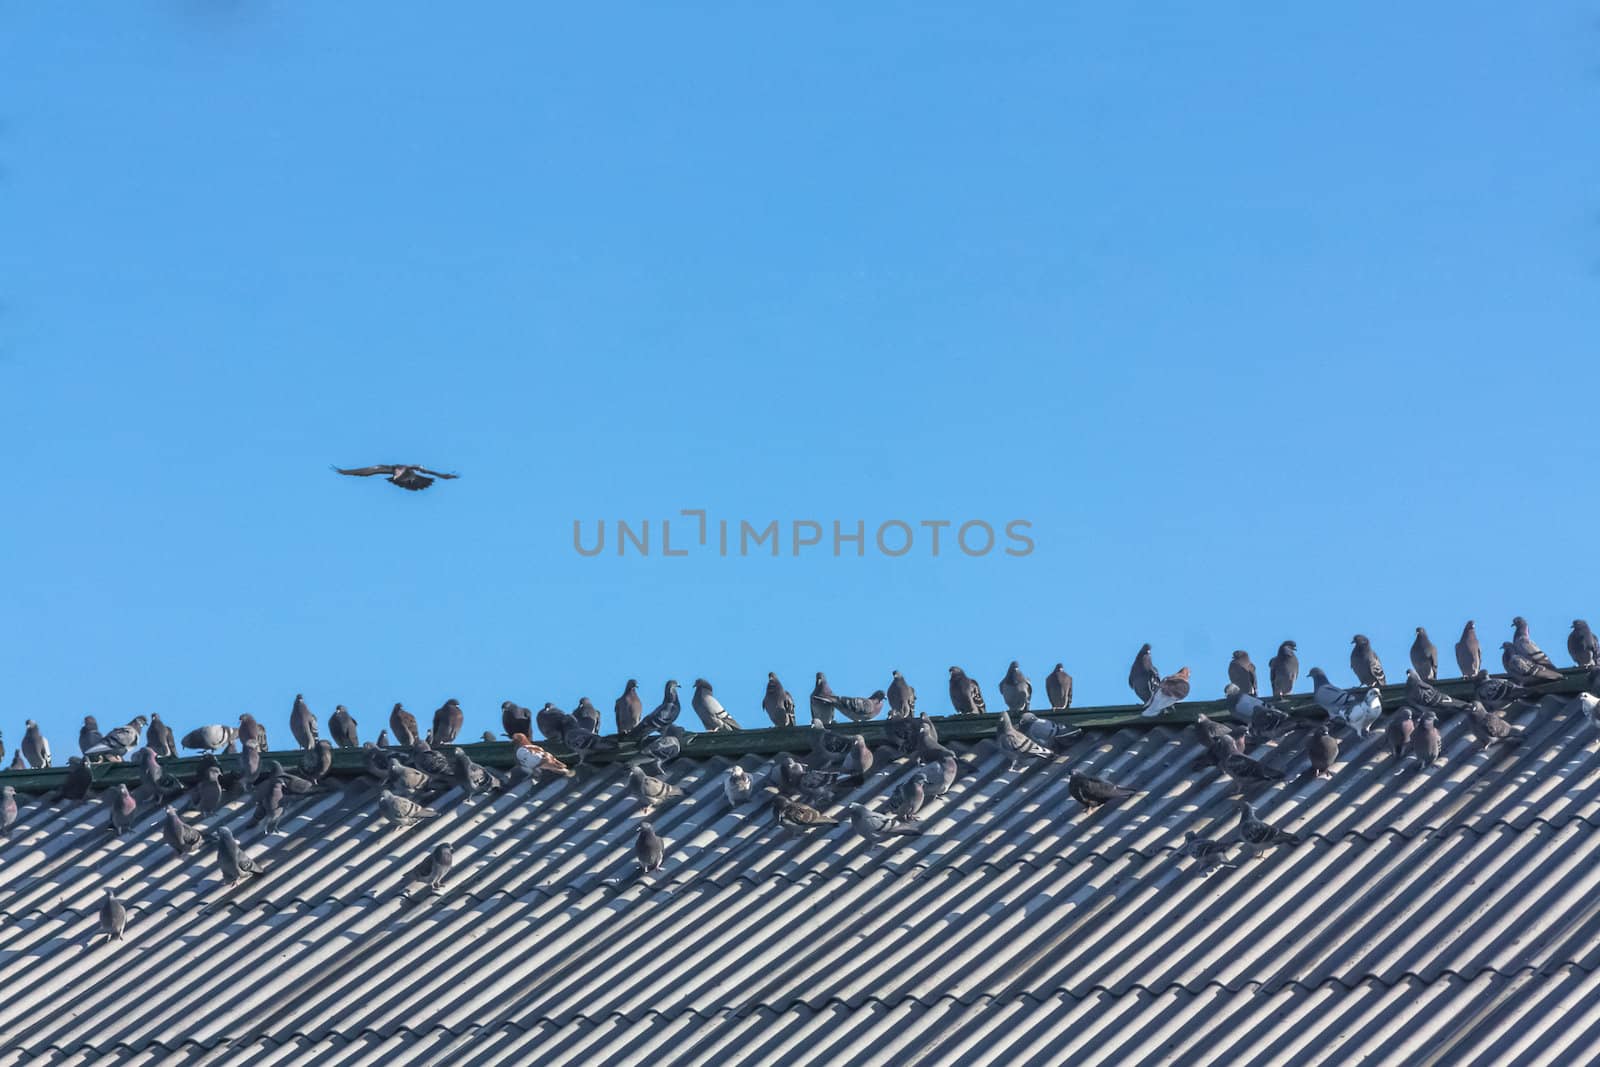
<point>474,778</point>
<point>1425,657</point>
<point>875,827</point>
<point>1091,792</point>
<point>628,709</point>
<point>665,713</point>
<point>1469,656</point>
<point>777,702</point>
<point>1582,645</point>
<point>793,815</point>
<point>248,762</point>
<point>787,774</point>
<point>404,725</point>
<point>1497,694</point>
<point>516,719</point>
<point>155,784</point>
<point>376,761</point>
<point>1144,679</point>
<point>1265,721</point>
<point>822,701</point>
<point>1425,742</point>
<point>1490,728</point>
<point>712,714</point>
<point>736,786</point>
<point>383,738</point>
<point>269,805</point>
<point>1058,688</point>
<point>425,758</point>
<point>584,744</point>
<point>121,740</point>
<point>652,792</point>
<point>553,723</point>
<point>587,715</point>
<point>159,737</point>
<point>856,765</point>
<point>1241,672</point>
<point>251,733</point>
<point>213,738</point>
<point>1017,746</point>
<point>860,709</point>
<point>1364,662</point>
<point>17,763</point>
<point>88,734</point>
<point>179,835</point>
<point>909,796</point>
<point>113,916</point>
<point>1257,835</point>
<point>817,786</point>
<point>405,475</point>
<point>649,848</point>
<point>121,805</point>
<point>1211,732</point>
<point>79,779</point>
<point>342,728</point>
<point>1172,688</point>
<point>489,738</point>
<point>829,747</point>
<point>232,859</point>
<point>208,790</point>
<point>1588,704</point>
<point>1522,641</point>
<point>302,722</point>
<point>1424,697</point>
<point>8,809</point>
<point>665,747</point>
<point>1284,668</point>
<point>1208,850</point>
<point>965,696</point>
<point>535,760</point>
<point>902,698</point>
<point>1015,689</point>
<point>1053,735</point>
<point>402,811</point>
<point>1525,671</point>
<point>436,868</point>
<point>447,722</point>
<point>1398,732</point>
<point>940,767</point>
<point>1241,768</point>
<point>317,763</point>
<point>1323,750</point>
<point>1357,708</point>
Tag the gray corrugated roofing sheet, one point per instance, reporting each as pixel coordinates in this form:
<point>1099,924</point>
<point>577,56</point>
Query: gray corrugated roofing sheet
<point>1450,915</point>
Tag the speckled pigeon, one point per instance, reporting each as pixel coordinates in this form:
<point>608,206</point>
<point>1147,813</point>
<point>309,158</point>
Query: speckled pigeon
<point>1424,697</point>
<point>1525,671</point>
<point>402,811</point>
<point>1259,836</point>
<point>1426,745</point>
<point>793,815</point>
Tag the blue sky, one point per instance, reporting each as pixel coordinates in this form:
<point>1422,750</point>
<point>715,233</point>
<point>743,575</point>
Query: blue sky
<point>1272,323</point>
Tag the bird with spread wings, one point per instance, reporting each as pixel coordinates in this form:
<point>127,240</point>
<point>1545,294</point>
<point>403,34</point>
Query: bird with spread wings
<point>405,475</point>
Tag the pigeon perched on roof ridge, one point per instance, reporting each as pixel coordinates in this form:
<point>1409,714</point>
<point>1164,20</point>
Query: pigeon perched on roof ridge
<point>778,702</point>
<point>1171,690</point>
<point>1016,690</point>
<point>628,709</point>
<point>1017,746</point>
<point>966,696</point>
<point>1058,688</point>
<point>1143,678</point>
<point>1364,662</point>
<point>1424,656</point>
<point>1469,654</point>
<point>1524,670</point>
<point>902,697</point>
<point>1284,668</point>
<point>1241,672</point>
<point>1582,645</point>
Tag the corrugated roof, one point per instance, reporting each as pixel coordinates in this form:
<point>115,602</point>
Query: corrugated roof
<point>1448,915</point>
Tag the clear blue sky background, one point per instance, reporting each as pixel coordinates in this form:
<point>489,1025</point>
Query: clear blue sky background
<point>1273,322</point>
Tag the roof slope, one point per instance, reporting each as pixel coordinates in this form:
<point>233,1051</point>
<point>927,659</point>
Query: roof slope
<point>1448,915</point>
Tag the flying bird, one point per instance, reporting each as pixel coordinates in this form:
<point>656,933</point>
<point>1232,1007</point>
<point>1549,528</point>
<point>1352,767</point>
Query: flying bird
<point>1469,655</point>
<point>1241,672</point>
<point>1425,657</point>
<point>1364,662</point>
<point>1058,688</point>
<point>405,475</point>
<point>1015,689</point>
<point>1284,668</point>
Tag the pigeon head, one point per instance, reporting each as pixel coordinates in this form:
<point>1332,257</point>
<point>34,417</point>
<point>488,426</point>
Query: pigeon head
<point>1404,714</point>
<point>1360,641</point>
<point>1321,731</point>
<point>646,828</point>
<point>1319,675</point>
<point>1505,645</point>
<point>633,683</point>
<point>954,671</point>
<point>1580,625</point>
<point>1421,632</point>
<point>1519,622</point>
<point>896,674</point>
<point>1290,645</point>
<point>701,683</point>
<point>1240,653</point>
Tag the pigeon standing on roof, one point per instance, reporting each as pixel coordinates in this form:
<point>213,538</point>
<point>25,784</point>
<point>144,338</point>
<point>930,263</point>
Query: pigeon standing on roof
<point>664,747</point>
<point>88,734</point>
<point>159,737</point>
<point>1398,732</point>
<point>155,784</point>
<point>34,748</point>
<point>251,733</point>
<point>628,709</point>
<point>1257,835</point>
<point>121,740</point>
<point>302,722</point>
<point>587,715</point>
<point>965,695</point>
<point>1265,721</point>
<point>1241,672</point>
<point>515,718</point>
<point>8,809</point>
<point>1323,750</point>
<point>787,774</point>
<point>1424,697</point>
<point>1525,671</point>
<point>1172,689</point>
<point>342,728</point>
<point>829,747</point>
<point>1283,669</point>
<point>1589,705</point>
<point>1244,770</point>
<point>317,763</point>
<point>1469,655</point>
<point>436,868</point>
<point>1015,745</point>
<point>1425,657</point>
<point>405,475</point>
<point>1357,708</point>
<point>79,779</point>
<point>404,725</point>
<point>648,847</point>
<point>208,790</point>
<point>1426,744</point>
<point>269,805</point>
<point>736,786</point>
<point>121,805</point>
<point>712,714</point>
<point>535,760</point>
<point>940,768</point>
<point>909,796</point>
<point>1210,731</point>
<point>650,791</point>
<point>447,722</point>
<point>1582,645</point>
<point>860,709</point>
<point>1058,688</point>
<point>473,778</point>
<point>1523,642</point>
<point>248,762</point>
<point>179,835</point>
<point>793,815</point>
<point>233,860</point>
<point>1055,736</point>
<point>213,738</point>
<point>1015,689</point>
<point>777,702</point>
<point>822,701</point>
<point>1144,679</point>
<point>1490,728</point>
<point>1497,694</point>
<point>1211,852</point>
<point>875,827</point>
<point>383,739</point>
<point>1092,792</point>
<point>665,713</point>
<point>402,811</point>
<point>1364,662</point>
<point>902,697</point>
<point>17,762</point>
<point>856,765</point>
<point>113,916</point>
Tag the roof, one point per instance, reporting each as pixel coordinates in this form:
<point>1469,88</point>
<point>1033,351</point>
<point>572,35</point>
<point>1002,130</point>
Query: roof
<point>1449,915</point>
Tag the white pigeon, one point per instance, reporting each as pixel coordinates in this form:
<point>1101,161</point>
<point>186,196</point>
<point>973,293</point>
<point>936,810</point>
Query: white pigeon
<point>736,786</point>
<point>1357,708</point>
<point>1589,704</point>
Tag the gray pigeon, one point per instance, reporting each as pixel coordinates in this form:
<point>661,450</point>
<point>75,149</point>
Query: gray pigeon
<point>1241,672</point>
<point>650,791</point>
<point>17,763</point>
<point>712,714</point>
<point>317,763</point>
<point>1525,671</point>
<point>121,805</point>
<point>1469,656</point>
<point>436,868</point>
<point>1522,641</point>
<point>1497,694</point>
<point>1244,770</point>
<point>159,737</point>
<point>822,701</point>
<point>1017,746</point>
<point>8,809</point>
<point>88,734</point>
<point>628,709</point>
<point>1364,662</point>
<point>213,738</point>
<point>1426,744</point>
<point>1211,852</point>
<point>665,714</point>
<point>793,815</point>
<point>1424,697</point>
<point>1398,732</point>
<point>875,827</point>
<point>1582,645</point>
<point>342,728</point>
<point>1257,835</point>
<point>777,702</point>
<point>113,916</point>
<point>1323,750</point>
<point>404,725</point>
<point>902,698</point>
<point>383,739</point>
<point>664,748</point>
<point>1144,679</point>
<point>251,733</point>
<point>1284,668</point>
<point>1490,728</point>
<point>649,848</point>
<point>1357,708</point>
<point>587,715</point>
<point>155,784</point>
<point>860,709</point>
<point>208,790</point>
<point>179,835</point>
<point>406,781</point>
<point>79,780</point>
<point>376,761</point>
<point>1091,792</point>
<point>402,811</point>
<point>787,773</point>
<point>474,778</point>
<point>233,860</point>
<point>516,719</point>
<point>121,740</point>
<point>1055,736</point>
<point>909,796</point>
<point>856,765</point>
<point>269,805</point>
<point>736,786</point>
<point>302,722</point>
<point>1058,688</point>
<point>902,733</point>
<point>965,696</point>
<point>1424,657</point>
<point>1265,721</point>
<point>447,722</point>
<point>1210,731</point>
<point>1015,689</point>
<point>940,769</point>
<point>489,738</point>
